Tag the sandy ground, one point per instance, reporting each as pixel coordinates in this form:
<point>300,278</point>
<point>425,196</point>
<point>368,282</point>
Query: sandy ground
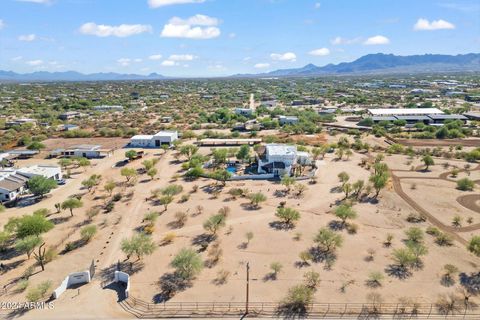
<point>268,245</point>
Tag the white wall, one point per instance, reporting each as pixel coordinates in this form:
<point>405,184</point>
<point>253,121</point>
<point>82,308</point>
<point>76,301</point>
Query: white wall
<point>123,277</point>
<point>71,279</point>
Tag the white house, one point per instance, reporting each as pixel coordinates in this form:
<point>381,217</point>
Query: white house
<point>103,108</point>
<point>244,111</point>
<point>88,151</point>
<point>49,172</point>
<point>287,120</point>
<point>154,141</point>
<point>280,158</point>
<point>11,185</point>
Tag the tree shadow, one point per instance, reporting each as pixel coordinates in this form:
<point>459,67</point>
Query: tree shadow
<point>319,255</point>
<point>12,265</point>
<point>280,225</point>
<point>372,284</point>
<point>59,220</point>
<point>249,206</point>
<point>336,189</point>
<point>119,288</point>
<point>292,310</point>
<point>398,271</point>
<point>9,253</point>
<point>73,245</point>
<point>471,282</point>
<point>301,264</point>
<point>203,240</point>
<point>170,284</point>
<point>243,246</point>
<point>175,224</point>
<point>280,193</point>
<point>336,225</point>
<point>447,281</point>
<point>271,276</point>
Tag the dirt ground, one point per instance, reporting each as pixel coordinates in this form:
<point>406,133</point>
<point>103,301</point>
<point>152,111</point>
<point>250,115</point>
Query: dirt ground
<point>375,221</point>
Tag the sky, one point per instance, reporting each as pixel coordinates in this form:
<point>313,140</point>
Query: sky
<point>224,37</point>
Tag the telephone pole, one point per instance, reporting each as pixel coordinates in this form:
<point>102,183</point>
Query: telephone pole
<point>248,289</point>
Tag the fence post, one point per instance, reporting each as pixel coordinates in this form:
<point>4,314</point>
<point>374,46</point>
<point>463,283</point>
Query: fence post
<point>430,311</point>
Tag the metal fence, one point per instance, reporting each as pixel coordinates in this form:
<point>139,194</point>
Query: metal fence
<point>142,309</point>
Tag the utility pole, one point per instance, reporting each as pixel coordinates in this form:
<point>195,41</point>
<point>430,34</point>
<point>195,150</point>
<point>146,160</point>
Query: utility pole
<point>248,289</point>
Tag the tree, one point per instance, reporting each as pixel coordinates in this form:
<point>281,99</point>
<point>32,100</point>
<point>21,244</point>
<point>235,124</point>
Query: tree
<point>5,237</point>
<point>465,184</point>
<point>375,279</point>
<point>139,244</point>
<point>65,162</point>
<point>288,182</point>
<point>36,145</point>
<point>287,215</point>
<point>219,156</point>
<point>414,234</point>
<point>187,264</point>
<point>109,186</point>
<point>474,245</point>
<point>88,232</point>
<point>300,189</point>
<point>165,201</point>
<point>72,203</point>
<point>243,153</point>
<point>276,268</point>
<point>256,198</point>
<point>188,151</point>
<point>345,212</point>
<point>222,175</point>
<point>31,225</point>
<point>214,223</point>
<point>172,190</point>
<point>379,182</point>
<point>328,240</point>
<point>131,154</point>
<point>312,279</point>
<point>358,188</point>
<point>152,172</point>
<point>428,161</point>
<point>347,188</point>
<point>343,177</point>
<point>403,257</point>
<point>297,300</point>
<point>92,181</point>
<point>40,256</point>
<point>128,173</point>
<point>83,162</point>
<point>28,244</point>
<point>40,186</point>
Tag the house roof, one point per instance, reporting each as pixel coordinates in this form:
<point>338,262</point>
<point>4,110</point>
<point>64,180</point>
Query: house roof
<point>142,137</point>
<point>404,111</point>
<point>281,149</point>
<point>41,170</point>
<point>165,134</point>
<point>10,185</point>
<point>447,117</point>
<point>413,117</point>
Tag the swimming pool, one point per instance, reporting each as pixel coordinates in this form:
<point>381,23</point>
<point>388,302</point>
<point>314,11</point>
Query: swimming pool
<point>232,169</point>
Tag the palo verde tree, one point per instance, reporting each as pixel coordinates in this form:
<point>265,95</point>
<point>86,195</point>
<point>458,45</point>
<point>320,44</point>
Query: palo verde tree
<point>139,245</point>
<point>214,223</point>
<point>33,225</point>
<point>344,212</point>
<point>187,264</point>
<point>288,215</point>
<point>328,240</point>
<point>72,203</point>
<point>128,173</point>
<point>256,198</point>
<point>288,182</point>
<point>428,161</point>
<point>40,186</point>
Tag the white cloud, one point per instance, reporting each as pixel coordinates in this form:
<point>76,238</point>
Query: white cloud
<point>137,60</point>
<point>196,27</point>
<point>232,35</point>
<point>182,57</point>
<point>340,41</point>
<point>376,40</point>
<point>317,5</point>
<point>35,62</point>
<point>155,57</point>
<point>424,24</point>
<point>124,62</point>
<point>168,63</point>
<point>287,56</point>
<point>123,30</point>
<point>27,37</point>
<point>247,58</point>
<point>2,24</point>
<point>262,65</point>
<point>17,58</point>
<point>162,3</point>
<point>320,52</point>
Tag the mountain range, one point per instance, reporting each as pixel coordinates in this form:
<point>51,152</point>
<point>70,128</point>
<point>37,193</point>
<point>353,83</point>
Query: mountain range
<point>378,63</point>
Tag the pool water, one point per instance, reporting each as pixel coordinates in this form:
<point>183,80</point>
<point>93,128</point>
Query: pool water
<point>232,169</point>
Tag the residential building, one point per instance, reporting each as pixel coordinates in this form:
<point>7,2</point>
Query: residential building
<point>19,121</point>
<point>391,112</point>
<point>282,120</point>
<point>85,151</point>
<point>154,141</point>
<point>280,159</point>
<point>69,115</point>
<point>49,172</point>
<point>103,108</point>
<point>244,111</point>
<point>11,185</point>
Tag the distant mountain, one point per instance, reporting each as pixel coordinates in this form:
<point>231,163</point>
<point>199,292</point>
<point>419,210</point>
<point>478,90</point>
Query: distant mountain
<point>381,63</point>
<point>378,63</point>
<point>74,76</point>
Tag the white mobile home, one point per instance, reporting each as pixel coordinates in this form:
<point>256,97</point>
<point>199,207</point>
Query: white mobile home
<point>11,185</point>
<point>85,151</point>
<point>49,172</point>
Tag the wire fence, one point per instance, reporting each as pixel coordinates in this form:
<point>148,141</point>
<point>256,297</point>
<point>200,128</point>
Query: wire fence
<point>142,309</point>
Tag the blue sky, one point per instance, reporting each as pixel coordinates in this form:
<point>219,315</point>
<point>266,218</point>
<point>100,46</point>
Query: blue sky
<point>222,37</point>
